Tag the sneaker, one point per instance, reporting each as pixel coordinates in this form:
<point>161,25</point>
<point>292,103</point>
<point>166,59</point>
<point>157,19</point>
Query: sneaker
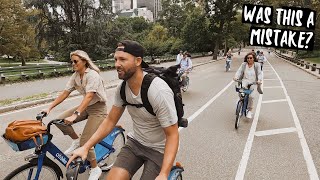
<point>229,69</point>
<point>74,145</point>
<point>95,173</point>
<point>249,115</point>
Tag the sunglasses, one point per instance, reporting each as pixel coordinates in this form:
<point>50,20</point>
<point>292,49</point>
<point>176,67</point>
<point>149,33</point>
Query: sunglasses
<point>74,61</point>
<point>249,57</point>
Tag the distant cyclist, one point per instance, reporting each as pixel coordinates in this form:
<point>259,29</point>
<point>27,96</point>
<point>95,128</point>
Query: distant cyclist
<point>185,66</point>
<point>179,57</point>
<point>229,59</point>
<point>249,72</point>
<point>261,59</point>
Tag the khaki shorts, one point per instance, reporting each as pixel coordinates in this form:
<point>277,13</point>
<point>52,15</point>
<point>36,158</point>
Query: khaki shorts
<point>133,155</point>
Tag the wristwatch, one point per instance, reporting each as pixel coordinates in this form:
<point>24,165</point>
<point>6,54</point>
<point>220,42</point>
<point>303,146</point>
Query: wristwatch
<point>77,113</point>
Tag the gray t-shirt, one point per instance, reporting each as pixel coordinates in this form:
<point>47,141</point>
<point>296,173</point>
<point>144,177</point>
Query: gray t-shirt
<point>148,129</point>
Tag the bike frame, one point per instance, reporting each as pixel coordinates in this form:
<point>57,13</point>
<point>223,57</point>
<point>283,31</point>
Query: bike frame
<point>246,100</point>
<point>103,149</point>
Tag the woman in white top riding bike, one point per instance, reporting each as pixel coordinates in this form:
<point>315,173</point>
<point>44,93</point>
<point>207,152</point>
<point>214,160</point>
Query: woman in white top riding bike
<point>249,72</point>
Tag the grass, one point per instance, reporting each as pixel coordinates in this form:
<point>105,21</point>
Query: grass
<point>28,98</point>
<point>11,62</point>
<point>314,60</point>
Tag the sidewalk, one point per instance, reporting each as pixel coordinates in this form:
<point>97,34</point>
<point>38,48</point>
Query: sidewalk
<point>52,87</point>
<point>314,73</point>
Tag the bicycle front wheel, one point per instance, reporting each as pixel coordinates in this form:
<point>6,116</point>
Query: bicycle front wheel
<point>29,171</point>
<point>238,113</point>
<point>118,143</point>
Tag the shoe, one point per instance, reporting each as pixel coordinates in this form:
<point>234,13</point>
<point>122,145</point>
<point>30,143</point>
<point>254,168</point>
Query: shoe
<point>229,69</point>
<point>249,115</point>
<point>95,173</point>
<point>74,145</point>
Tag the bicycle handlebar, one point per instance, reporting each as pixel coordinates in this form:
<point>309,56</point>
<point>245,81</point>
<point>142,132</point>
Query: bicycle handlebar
<point>73,169</point>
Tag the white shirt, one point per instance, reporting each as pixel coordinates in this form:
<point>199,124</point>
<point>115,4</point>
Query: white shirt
<point>178,59</point>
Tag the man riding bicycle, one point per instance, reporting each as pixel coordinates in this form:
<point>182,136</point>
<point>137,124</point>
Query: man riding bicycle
<point>155,139</point>
<point>185,67</point>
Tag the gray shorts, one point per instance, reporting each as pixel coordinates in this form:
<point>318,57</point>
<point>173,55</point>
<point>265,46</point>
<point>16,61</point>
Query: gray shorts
<point>133,155</point>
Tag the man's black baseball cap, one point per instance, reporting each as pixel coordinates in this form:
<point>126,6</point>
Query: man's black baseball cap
<point>133,48</point>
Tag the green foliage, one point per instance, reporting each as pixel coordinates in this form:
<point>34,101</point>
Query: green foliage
<point>16,32</point>
<point>195,32</point>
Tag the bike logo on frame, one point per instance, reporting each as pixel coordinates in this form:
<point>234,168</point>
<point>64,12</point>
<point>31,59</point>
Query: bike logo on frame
<point>62,158</point>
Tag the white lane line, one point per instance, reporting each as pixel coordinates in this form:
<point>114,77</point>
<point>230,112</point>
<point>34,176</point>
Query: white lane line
<point>275,131</point>
<point>272,87</point>
<point>305,148</point>
<point>246,153</point>
<point>270,79</point>
<point>194,115</point>
<point>274,101</point>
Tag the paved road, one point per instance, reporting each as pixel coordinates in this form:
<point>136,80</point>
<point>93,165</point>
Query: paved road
<point>281,142</point>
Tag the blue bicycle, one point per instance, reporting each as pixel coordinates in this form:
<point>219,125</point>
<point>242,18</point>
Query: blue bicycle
<point>77,164</point>
<point>243,101</point>
<point>42,167</point>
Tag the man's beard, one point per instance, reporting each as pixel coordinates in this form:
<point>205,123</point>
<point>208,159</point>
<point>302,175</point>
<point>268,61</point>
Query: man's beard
<point>128,74</point>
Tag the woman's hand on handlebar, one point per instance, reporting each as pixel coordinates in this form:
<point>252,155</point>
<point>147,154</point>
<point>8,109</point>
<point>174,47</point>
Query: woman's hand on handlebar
<point>47,111</point>
<point>69,120</point>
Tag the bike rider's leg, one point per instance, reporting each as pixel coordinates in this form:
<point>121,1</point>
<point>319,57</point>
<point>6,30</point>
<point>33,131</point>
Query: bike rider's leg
<point>183,78</point>
<point>68,130</point>
<point>96,114</point>
<point>250,103</point>
<point>152,166</point>
<point>128,162</point>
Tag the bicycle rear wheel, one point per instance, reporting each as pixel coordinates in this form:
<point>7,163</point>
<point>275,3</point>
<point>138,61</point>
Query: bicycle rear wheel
<point>238,113</point>
<point>28,171</point>
<point>186,86</point>
<point>118,143</point>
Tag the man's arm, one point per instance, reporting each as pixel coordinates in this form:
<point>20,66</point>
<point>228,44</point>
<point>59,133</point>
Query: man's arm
<point>171,148</point>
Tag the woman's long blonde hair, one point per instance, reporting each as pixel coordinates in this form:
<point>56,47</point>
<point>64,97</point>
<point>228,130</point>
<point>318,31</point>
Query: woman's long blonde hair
<point>85,57</point>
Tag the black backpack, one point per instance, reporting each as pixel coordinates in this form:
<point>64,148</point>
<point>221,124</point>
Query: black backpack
<point>170,76</point>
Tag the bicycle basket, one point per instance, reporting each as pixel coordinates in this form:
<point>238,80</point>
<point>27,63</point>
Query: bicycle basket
<point>27,144</point>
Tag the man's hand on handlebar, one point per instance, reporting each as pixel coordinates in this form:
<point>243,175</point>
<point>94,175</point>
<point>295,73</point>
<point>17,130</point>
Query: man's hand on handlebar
<point>80,152</point>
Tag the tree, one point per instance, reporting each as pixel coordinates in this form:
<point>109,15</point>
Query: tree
<point>172,17</point>
<point>67,25</point>
<point>16,34</point>
<point>157,42</point>
<point>195,32</point>
<point>221,13</point>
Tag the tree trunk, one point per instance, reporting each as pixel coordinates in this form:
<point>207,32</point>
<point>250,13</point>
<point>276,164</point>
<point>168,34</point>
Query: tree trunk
<point>216,50</point>
<point>23,61</point>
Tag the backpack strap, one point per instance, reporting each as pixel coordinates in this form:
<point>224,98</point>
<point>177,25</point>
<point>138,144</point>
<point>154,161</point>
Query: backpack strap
<point>123,96</point>
<point>148,78</point>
